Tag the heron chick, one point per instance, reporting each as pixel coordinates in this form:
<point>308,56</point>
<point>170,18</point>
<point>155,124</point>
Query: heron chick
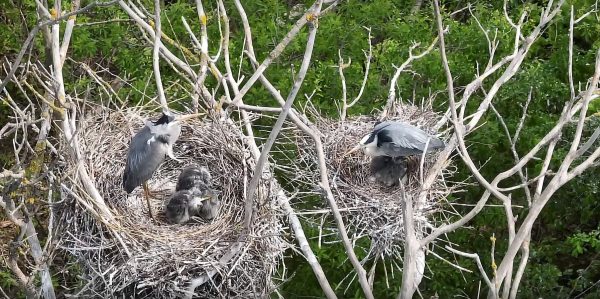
<point>194,196</point>
<point>387,170</point>
<point>193,177</point>
<point>148,149</point>
<point>210,208</point>
<point>183,205</point>
<point>394,140</point>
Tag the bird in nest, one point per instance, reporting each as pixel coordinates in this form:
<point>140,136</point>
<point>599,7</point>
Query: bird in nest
<point>389,144</point>
<point>148,149</point>
<point>193,196</point>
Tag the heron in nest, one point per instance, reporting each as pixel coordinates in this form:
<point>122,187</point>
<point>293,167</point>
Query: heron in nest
<point>149,148</point>
<point>193,196</point>
<point>389,144</point>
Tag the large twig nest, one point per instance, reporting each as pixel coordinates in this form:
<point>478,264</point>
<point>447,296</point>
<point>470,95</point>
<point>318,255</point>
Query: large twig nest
<point>370,210</point>
<point>131,254</point>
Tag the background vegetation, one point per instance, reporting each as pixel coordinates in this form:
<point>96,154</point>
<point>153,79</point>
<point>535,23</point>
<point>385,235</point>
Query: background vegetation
<point>565,247</point>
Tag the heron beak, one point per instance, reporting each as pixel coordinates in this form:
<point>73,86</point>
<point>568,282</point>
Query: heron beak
<point>354,149</point>
<point>182,118</point>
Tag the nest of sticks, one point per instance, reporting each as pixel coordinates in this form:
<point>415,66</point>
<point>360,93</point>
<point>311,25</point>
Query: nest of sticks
<point>124,253</point>
<point>370,210</point>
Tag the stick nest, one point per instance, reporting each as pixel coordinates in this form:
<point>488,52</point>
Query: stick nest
<point>123,253</point>
<point>370,210</point>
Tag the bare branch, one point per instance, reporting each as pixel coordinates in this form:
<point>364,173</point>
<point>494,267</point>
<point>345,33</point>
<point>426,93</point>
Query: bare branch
<point>41,24</point>
<point>411,57</point>
<point>155,61</point>
<point>277,51</point>
<point>474,256</point>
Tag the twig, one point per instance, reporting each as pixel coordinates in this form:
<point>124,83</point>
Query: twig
<point>282,116</point>
<point>474,256</point>
<point>278,50</point>
<point>37,27</point>
<point>155,58</point>
<point>411,57</point>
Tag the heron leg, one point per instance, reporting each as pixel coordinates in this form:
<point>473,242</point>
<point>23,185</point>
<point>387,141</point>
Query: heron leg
<point>147,196</point>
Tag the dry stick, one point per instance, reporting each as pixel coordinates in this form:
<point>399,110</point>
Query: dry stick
<point>392,93</point>
<point>525,247</point>
<point>293,218</point>
<point>277,51</point>
<point>68,32</point>
<point>167,54</point>
<point>203,58</point>
<point>25,282</point>
<point>337,216</point>
<point>516,59</point>
<point>510,219</point>
<point>342,66</point>
<point>156,60</point>
<point>561,178</point>
<point>519,56</point>
<point>235,248</point>
<point>474,256</point>
<point>282,116</point>
<point>305,248</point>
<point>34,31</point>
<point>411,246</point>
<point>459,129</point>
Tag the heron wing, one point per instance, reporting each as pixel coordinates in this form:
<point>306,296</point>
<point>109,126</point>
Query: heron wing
<point>143,159</point>
<point>398,139</point>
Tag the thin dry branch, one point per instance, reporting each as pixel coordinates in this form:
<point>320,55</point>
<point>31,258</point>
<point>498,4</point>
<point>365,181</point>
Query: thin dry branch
<point>282,116</point>
<point>155,59</point>
<point>43,24</point>
<point>411,57</point>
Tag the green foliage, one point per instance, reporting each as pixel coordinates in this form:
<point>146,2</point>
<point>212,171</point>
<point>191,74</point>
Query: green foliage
<point>565,241</point>
<point>585,242</point>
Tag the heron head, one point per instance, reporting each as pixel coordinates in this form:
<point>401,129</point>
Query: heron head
<point>166,118</point>
<point>364,142</point>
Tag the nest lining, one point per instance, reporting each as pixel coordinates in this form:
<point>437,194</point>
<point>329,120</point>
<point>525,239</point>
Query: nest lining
<point>134,254</point>
<point>369,209</point>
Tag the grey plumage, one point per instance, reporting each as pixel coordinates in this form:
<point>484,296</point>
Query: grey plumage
<point>193,176</point>
<point>397,139</point>
<point>210,208</point>
<point>389,143</point>
<point>387,170</point>
<point>148,150</point>
<point>183,205</point>
<point>193,197</point>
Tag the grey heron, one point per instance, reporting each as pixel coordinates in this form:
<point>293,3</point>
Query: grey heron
<point>148,149</point>
<point>184,204</point>
<point>193,197</point>
<point>395,140</point>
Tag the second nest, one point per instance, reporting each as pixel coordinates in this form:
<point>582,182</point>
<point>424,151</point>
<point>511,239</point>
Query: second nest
<point>371,210</point>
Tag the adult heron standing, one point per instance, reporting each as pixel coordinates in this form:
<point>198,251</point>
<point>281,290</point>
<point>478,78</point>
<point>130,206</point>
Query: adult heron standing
<point>395,140</point>
<point>148,149</point>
